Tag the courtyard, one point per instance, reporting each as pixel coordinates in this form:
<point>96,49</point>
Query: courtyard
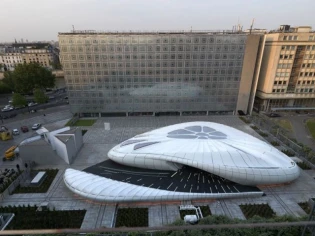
<point>283,199</point>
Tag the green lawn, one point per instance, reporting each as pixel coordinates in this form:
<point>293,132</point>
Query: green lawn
<point>284,124</point>
<point>84,123</point>
<point>311,127</point>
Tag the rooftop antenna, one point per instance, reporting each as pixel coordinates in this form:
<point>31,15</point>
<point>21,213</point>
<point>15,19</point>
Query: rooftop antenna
<point>73,28</point>
<point>251,27</point>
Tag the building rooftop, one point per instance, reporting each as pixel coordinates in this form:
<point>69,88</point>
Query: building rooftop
<point>78,32</point>
<point>63,138</point>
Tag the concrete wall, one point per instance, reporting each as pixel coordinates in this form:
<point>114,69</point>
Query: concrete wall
<point>71,149</point>
<point>40,154</point>
<point>61,150</point>
<point>78,139</point>
<point>51,135</point>
<point>249,63</point>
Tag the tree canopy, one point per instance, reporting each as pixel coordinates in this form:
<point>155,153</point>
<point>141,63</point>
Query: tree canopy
<point>18,100</point>
<point>40,96</point>
<point>27,77</point>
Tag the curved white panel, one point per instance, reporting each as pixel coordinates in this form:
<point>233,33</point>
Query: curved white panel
<point>212,147</point>
<point>102,189</point>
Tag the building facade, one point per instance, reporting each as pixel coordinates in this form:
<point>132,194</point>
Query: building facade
<point>152,73</point>
<point>287,74</point>
<point>18,53</point>
<point>9,58</point>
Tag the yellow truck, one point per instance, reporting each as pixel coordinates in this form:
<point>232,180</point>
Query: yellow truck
<point>5,134</point>
<point>9,154</point>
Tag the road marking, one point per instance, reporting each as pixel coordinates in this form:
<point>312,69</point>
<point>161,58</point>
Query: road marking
<point>150,185</point>
<point>189,176</point>
<point>174,174</point>
<point>175,189</point>
<point>139,180</point>
<point>203,178</point>
<point>181,180</point>
<point>236,189</point>
<point>190,189</point>
<point>185,186</point>
<point>169,185</point>
<point>223,188</point>
<point>210,189</point>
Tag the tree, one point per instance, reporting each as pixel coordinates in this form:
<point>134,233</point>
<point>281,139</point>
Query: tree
<point>27,77</point>
<point>18,100</point>
<point>1,66</point>
<point>40,96</point>
<point>4,88</point>
<point>9,80</point>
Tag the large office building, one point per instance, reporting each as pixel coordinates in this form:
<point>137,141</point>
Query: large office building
<point>287,75</point>
<point>132,73</point>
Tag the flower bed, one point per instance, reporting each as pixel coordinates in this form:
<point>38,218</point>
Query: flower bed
<point>288,153</point>
<point>262,210</point>
<point>43,188</point>
<point>132,217</point>
<point>26,217</point>
<point>303,165</point>
<point>244,120</point>
<point>275,143</point>
<point>305,206</point>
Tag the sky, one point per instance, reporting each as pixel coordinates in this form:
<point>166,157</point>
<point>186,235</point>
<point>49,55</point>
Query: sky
<point>39,20</point>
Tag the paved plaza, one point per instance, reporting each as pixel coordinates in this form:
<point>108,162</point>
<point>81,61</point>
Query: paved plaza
<point>282,199</point>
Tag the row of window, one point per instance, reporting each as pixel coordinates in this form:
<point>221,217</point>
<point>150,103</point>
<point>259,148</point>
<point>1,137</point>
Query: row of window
<point>278,90</point>
<point>306,82</point>
<point>311,38</point>
<point>152,79</point>
<point>158,48</point>
<point>290,37</point>
<point>286,56</point>
<point>128,57</point>
<point>309,56</point>
<point>135,65</point>
<point>158,40</point>
<point>283,74</point>
<point>304,90</point>
<point>309,47</point>
<point>280,82</point>
<point>308,65</point>
<point>307,74</point>
<point>193,71</point>
<point>288,47</point>
<point>284,65</point>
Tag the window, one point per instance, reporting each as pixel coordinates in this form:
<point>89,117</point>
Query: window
<point>295,37</point>
<point>281,56</point>
<point>290,37</point>
<point>284,82</point>
<point>310,37</point>
<point>282,90</point>
<point>273,90</point>
<point>276,82</point>
<point>285,37</point>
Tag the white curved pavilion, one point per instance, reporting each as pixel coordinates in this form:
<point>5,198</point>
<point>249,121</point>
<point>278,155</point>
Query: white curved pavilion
<point>214,148</point>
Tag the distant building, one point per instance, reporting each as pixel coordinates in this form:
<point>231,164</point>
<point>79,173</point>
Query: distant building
<point>287,74</point>
<point>43,53</point>
<point>159,72</point>
<point>9,58</point>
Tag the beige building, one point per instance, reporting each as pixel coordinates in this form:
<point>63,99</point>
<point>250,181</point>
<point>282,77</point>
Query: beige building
<point>9,58</point>
<point>287,74</point>
<point>41,53</point>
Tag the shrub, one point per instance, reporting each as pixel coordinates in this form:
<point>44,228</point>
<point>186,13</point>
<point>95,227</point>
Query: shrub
<point>244,120</point>
<point>262,134</point>
<point>288,153</point>
<point>254,127</point>
<point>132,217</point>
<point>275,143</point>
<point>262,210</point>
<point>305,206</point>
<point>303,165</point>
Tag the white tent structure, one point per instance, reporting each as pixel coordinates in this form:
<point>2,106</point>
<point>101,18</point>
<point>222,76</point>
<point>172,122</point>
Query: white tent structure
<point>211,147</point>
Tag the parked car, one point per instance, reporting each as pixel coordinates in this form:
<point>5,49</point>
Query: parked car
<point>32,104</point>
<point>15,132</point>
<point>24,129</point>
<point>36,126</point>
<point>7,108</point>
